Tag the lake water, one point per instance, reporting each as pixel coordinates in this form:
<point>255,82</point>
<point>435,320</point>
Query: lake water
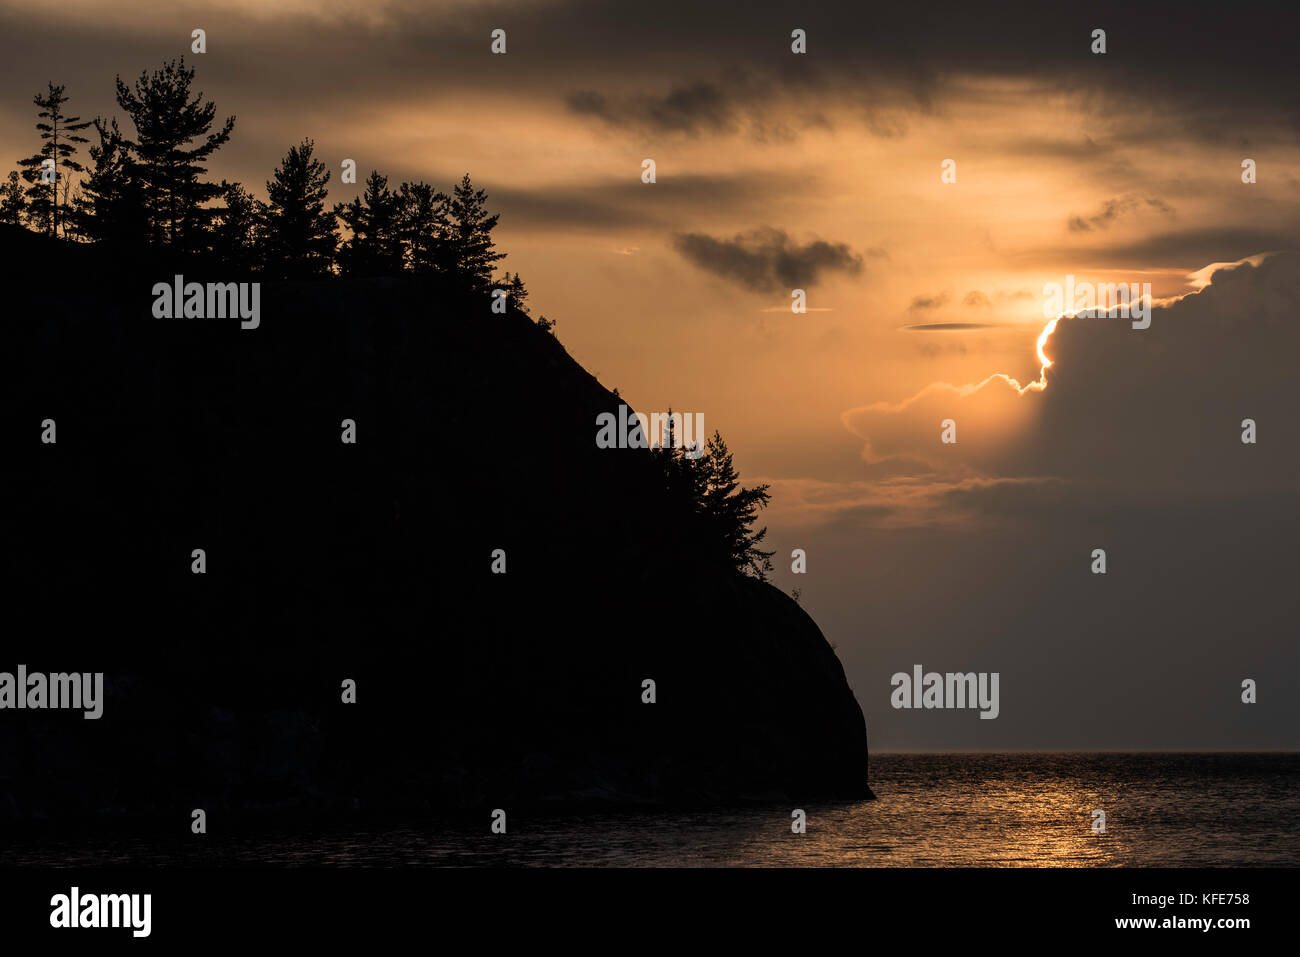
<point>934,810</point>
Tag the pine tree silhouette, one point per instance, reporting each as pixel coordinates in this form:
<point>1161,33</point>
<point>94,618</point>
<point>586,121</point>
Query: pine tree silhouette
<point>151,190</point>
<point>722,512</point>
<point>169,121</point>
<point>473,254</point>
<point>301,235</point>
<point>732,510</point>
<point>13,204</point>
<point>422,226</point>
<point>42,170</point>
<point>375,248</point>
<point>111,207</point>
<point>516,290</point>
<point>238,233</point>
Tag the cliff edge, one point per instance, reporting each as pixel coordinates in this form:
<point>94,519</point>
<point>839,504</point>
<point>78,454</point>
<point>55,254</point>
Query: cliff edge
<point>371,562</point>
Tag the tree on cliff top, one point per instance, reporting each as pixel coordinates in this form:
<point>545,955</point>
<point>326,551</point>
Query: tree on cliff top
<point>110,207</point>
<point>723,512</point>
<point>172,143</point>
<point>13,204</point>
<point>301,235</point>
<point>61,134</point>
<point>474,254</point>
<point>375,248</point>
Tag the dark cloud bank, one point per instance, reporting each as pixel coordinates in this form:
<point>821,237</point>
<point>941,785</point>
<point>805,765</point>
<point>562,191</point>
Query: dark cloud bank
<point>767,259</point>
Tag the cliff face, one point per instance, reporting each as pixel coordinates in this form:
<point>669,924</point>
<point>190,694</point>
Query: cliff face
<point>327,561</point>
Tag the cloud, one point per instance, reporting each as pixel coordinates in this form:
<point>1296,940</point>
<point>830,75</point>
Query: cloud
<point>1209,244</point>
<point>1207,74</point>
<point>894,500</point>
<point>698,107</point>
<point>1135,417</point>
<point>950,326</point>
<point>987,415</point>
<point>975,299</point>
<point>1113,209</point>
<point>588,102</point>
<point>609,204</point>
<point>767,260</point>
<point>1184,249</point>
<point>924,303</point>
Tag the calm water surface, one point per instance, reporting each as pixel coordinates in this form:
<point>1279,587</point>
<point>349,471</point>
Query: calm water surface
<point>934,810</point>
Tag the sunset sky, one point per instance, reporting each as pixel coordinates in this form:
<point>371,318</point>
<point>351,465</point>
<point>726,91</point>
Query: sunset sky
<point>822,170</point>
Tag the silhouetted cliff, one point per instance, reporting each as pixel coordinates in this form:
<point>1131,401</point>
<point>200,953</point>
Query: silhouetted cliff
<point>327,561</point>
